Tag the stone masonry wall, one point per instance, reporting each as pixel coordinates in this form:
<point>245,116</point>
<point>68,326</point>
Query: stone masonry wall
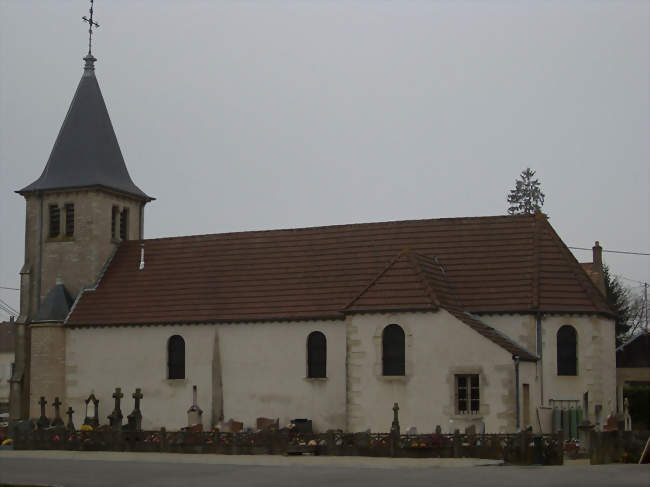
<point>48,366</point>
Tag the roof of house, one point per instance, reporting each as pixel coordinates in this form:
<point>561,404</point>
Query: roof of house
<point>501,264</point>
<point>7,333</point>
<point>86,152</point>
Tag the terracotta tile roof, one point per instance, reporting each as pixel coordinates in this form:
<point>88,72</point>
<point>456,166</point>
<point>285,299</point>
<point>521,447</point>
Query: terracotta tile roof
<point>416,282</point>
<point>7,336</point>
<point>495,264</point>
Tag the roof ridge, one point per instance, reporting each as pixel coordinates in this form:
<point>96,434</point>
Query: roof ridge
<point>373,281</point>
<point>344,225</point>
<point>412,257</point>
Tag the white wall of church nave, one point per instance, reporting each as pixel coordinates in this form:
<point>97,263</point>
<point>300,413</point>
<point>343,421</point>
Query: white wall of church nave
<point>265,367</point>
<point>263,372</point>
<point>596,355</point>
<point>438,348</point>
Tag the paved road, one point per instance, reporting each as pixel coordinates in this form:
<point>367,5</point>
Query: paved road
<point>74,469</point>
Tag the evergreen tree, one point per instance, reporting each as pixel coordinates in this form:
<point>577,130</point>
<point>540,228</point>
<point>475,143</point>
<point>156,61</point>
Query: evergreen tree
<point>620,300</point>
<point>527,197</point>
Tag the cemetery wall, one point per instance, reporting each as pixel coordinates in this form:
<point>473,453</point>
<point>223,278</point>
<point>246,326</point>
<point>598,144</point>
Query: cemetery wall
<point>438,349</point>
<point>262,366</point>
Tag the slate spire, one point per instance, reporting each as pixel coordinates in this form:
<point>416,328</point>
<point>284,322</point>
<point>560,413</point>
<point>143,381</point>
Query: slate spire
<point>86,152</point>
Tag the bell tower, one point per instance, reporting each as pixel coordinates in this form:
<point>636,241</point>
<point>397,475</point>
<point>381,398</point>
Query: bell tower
<point>77,212</point>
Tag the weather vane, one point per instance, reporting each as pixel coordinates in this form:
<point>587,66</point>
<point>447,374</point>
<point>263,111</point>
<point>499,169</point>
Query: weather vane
<point>91,24</point>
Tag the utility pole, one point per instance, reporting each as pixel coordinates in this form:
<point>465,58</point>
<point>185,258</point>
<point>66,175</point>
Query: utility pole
<point>645,304</point>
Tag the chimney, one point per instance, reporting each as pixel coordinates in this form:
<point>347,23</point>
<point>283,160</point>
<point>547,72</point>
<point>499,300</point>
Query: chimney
<point>598,257</point>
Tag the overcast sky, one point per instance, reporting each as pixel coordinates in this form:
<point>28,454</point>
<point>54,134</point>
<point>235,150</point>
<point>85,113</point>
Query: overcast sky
<point>278,114</point>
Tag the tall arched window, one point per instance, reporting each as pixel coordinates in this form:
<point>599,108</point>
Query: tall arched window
<point>567,351</point>
<point>316,355</point>
<point>176,357</point>
<point>393,350</point>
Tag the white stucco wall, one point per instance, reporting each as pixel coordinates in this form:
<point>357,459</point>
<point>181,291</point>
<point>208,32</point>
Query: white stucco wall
<point>263,372</point>
<point>596,357</point>
<point>596,362</point>
<point>6,359</point>
<point>438,347</point>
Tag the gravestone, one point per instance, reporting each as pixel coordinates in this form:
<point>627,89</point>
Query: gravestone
<point>194,413</point>
<point>70,426</point>
<point>394,427</point>
<point>268,424</point>
<point>611,423</point>
<point>135,418</point>
<point>92,411</point>
<point>115,418</point>
<point>42,422</point>
<point>57,421</point>
<point>233,426</point>
<point>626,415</point>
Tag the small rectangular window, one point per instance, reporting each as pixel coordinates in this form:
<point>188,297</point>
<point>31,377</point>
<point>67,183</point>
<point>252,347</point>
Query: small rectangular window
<point>114,214</point>
<point>124,224</point>
<point>468,399</point>
<point>55,221</point>
<point>69,219</point>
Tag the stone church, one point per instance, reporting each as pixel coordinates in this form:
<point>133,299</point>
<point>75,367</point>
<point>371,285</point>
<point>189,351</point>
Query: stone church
<point>482,321</point>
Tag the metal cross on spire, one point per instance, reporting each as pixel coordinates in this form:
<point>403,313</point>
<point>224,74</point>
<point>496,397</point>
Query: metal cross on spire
<point>91,24</point>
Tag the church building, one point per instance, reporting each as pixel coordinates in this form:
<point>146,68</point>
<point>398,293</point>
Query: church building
<point>482,321</point>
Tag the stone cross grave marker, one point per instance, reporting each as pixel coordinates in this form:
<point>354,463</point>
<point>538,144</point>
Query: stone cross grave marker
<point>394,428</point>
<point>57,421</point>
<point>70,425</point>
<point>135,418</point>
<point>115,418</point>
<point>42,422</point>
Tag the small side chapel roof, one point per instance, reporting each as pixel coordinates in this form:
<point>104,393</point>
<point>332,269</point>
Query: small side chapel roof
<point>86,152</point>
<point>55,306</point>
<point>416,282</point>
<point>499,264</point>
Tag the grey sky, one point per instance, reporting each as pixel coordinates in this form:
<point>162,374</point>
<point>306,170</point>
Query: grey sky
<point>275,114</point>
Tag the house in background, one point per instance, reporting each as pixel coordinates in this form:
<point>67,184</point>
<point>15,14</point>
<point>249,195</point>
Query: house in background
<point>480,321</point>
<point>7,339</point>
<point>633,372</point>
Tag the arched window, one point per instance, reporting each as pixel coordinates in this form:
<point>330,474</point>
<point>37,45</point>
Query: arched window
<point>393,350</point>
<point>176,357</point>
<point>316,355</point>
<point>567,351</point>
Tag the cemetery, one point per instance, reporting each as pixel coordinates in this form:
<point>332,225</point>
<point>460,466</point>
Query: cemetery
<point>268,437</point>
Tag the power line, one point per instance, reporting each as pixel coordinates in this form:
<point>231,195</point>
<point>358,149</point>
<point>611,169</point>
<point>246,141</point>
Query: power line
<point>632,280</point>
<point>10,288</point>
<point>7,306</point>
<point>613,251</point>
